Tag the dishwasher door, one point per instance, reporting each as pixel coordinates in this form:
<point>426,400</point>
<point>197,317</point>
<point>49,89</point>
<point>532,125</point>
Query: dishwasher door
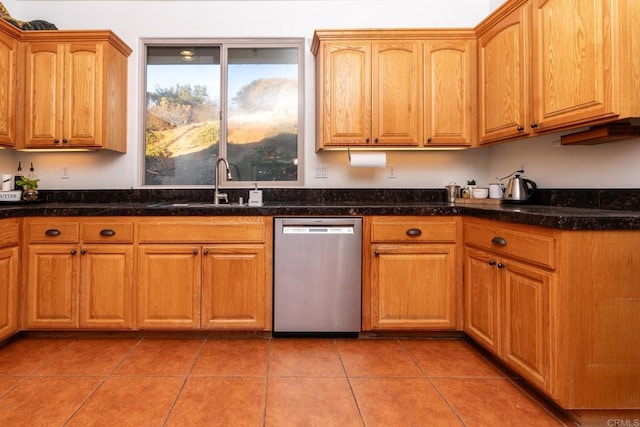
<point>317,276</point>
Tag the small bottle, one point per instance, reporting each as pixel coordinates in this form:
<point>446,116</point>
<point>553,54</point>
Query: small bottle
<point>32,172</point>
<point>18,177</point>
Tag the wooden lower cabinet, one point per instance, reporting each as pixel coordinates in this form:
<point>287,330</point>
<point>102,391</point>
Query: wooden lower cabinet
<point>219,281</point>
<point>507,311</point>
<point>8,291</point>
<point>412,274</point>
<point>73,284</point>
<point>560,307</point>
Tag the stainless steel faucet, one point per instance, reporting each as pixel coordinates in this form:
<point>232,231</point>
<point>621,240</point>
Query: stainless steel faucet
<point>218,196</point>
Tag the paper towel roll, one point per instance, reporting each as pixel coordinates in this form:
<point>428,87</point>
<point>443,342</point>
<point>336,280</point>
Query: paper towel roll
<point>368,160</point>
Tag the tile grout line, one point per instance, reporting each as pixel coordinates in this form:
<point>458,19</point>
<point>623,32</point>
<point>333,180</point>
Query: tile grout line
<point>266,383</point>
<point>101,383</point>
<point>346,374</point>
<point>431,382</point>
<point>184,382</point>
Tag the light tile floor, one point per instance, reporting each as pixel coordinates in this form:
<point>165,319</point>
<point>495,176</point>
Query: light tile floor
<point>260,382</point>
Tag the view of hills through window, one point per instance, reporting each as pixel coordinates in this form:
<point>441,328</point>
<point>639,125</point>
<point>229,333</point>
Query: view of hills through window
<point>197,112</point>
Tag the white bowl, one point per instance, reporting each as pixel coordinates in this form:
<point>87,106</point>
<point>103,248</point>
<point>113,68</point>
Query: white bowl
<point>480,193</point>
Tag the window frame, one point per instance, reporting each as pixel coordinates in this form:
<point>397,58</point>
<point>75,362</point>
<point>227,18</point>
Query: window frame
<point>224,44</point>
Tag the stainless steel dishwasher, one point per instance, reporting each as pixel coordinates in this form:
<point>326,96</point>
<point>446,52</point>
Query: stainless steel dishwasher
<point>317,276</point>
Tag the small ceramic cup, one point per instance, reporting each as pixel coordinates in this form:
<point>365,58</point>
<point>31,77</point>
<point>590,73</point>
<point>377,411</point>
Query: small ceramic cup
<point>480,193</point>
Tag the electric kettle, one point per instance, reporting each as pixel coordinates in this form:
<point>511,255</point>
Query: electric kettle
<point>519,189</point>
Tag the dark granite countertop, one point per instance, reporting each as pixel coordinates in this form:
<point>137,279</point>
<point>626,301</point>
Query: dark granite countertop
<point>566,218</point>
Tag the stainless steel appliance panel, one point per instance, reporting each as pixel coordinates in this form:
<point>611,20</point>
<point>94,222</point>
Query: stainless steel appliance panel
<point>317,275</point>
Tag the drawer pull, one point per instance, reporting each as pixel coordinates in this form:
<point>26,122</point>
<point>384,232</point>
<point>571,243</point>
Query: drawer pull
<point>52,232</point>
<point>414,232</point>
<point>499,241</point>
<point>107,232</point>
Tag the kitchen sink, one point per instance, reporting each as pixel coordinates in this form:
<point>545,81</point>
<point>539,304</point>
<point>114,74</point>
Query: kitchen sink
<point>194,205</point>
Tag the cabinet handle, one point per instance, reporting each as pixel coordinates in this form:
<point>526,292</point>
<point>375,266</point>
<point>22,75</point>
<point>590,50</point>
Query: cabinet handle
<point>376,140</point>
<point>107,232</point>
<point>520,128</point>
<point>414,232</point>
<point>534,125</point>
<point>499,241</point>
<point>195,252</point>
<point>52,232</point>
<point>83,251</point>
<point>73,252</point>
<point>501,265</point>
<point>492,262</point>
<point>205,251</point>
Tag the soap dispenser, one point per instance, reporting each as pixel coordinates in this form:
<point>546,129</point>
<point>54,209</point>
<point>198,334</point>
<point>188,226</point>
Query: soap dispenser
<point>255,196</point>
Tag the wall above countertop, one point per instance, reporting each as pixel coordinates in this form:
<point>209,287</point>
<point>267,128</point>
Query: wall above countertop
<point>565,167</point>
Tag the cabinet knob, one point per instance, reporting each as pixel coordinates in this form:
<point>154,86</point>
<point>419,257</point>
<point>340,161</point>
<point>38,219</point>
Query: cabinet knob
<point>520,128</point>
<point>429,140</point>
<point>492,262</point>
<point>534,125</point>
<point>83,251</point>
<point>368,140</point>
<point>73,252</point>
<point>56,141</point>
<point>414,232</point>
<point>501,265</point>
<point>499,241</point>
<point>195,252</point>
<point>376,140</point>
<point>107,232</point>
<point>65,141</point>
<point>376,253</point>
<point>52,232</point>
<point>205,251</point>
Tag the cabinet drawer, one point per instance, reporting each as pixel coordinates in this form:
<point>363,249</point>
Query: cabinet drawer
<point>9,232</point>
<point>531,244</point>
<point>52,231</point>
<point>107,232</point>
<point>410,229</point>
<point>202,230</point>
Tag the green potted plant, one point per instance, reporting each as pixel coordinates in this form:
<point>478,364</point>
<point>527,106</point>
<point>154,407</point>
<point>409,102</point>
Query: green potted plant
<point>468,189</point>
<point>29,187</point>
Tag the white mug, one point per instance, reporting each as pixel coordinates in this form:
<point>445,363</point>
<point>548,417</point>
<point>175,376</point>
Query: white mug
<point>495,191</point>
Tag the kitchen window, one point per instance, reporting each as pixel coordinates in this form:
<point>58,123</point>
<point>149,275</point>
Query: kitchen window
<point>237,99</point>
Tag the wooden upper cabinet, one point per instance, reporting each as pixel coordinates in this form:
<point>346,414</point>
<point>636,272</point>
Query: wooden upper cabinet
<point>75,91</point>
<point>8,85</point>
<point>449,92</point>
<point>344,94</point>
<point>503,77</point>
<point>396,93</point>
<point>573,62</point>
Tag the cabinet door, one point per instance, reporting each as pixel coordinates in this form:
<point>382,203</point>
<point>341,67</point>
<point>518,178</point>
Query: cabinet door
<point>52,286</point>
<point>573,62</point>
<point>481,295</point>
<point>526,316</point>
<point>8,89</point>
<point>83,83</point>
<point>413,286</point>
<point>449,92</point>
<point>503,63</point>
<point>8,292</point>
<point>396,93</point>
<point>345,95</point>
<point>43,94</point>
<point>168,289</point>
<point>106,286</point>
<point>234,288</point>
